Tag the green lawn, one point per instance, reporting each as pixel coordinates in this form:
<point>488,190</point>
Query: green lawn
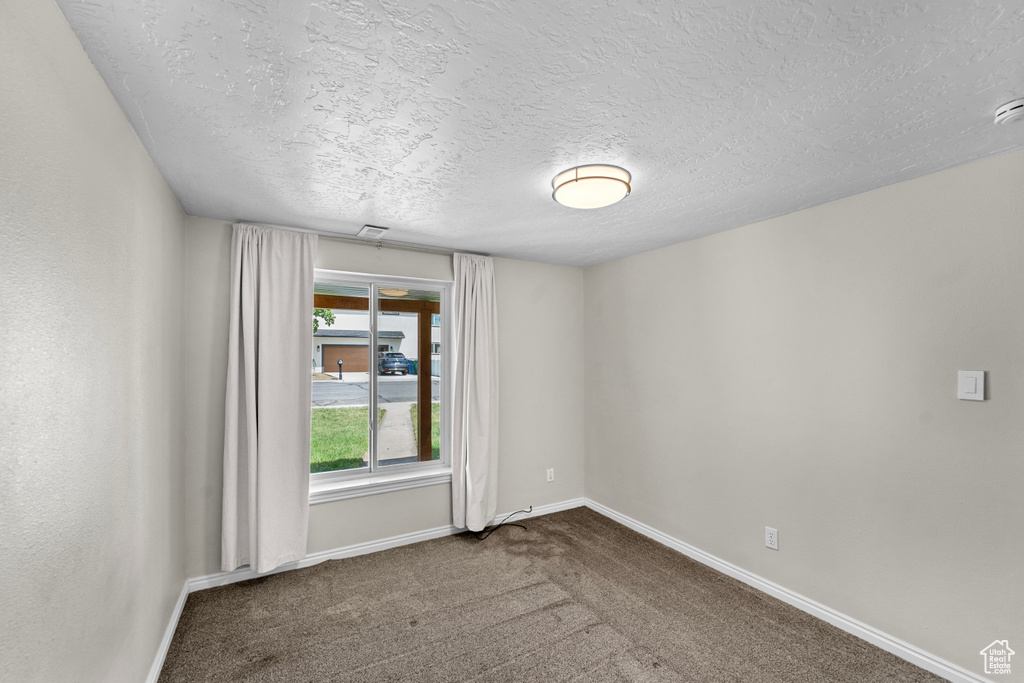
<point>340,438</point>
<point>435,428</point>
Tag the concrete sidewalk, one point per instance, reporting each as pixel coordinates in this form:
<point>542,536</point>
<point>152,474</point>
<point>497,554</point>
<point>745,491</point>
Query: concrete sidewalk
<point>396,438</point>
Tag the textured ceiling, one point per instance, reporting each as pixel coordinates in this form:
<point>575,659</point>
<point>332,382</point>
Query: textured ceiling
<point>447,120</point>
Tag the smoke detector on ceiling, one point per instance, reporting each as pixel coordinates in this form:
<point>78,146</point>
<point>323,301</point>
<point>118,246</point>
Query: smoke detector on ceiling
<point>371,232</point>
<point>1011,111</point>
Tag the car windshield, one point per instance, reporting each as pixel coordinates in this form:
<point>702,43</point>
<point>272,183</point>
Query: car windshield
<point>395,355</point>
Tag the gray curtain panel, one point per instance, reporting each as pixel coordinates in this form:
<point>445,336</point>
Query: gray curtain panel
<point>267,407</point>
<point>475,405</point>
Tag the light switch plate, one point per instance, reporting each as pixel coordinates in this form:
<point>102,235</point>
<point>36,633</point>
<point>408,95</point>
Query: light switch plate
<point>970,385</point>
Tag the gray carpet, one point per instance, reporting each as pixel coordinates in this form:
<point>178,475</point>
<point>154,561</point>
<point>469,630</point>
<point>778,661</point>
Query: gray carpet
<point>576,597</point>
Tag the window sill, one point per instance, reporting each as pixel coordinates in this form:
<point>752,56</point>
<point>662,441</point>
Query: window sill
<point>341,489</point>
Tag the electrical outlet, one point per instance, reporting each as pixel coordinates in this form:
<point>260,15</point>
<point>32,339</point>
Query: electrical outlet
<point>771,538</point>
<point>551,474</point>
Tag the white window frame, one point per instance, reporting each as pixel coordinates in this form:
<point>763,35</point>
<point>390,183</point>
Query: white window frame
<point>353,483</point>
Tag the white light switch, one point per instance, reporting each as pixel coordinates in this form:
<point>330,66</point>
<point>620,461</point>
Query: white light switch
<point>970,385</point>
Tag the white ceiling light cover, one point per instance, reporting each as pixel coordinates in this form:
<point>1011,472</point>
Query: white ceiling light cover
<point>591,187</point>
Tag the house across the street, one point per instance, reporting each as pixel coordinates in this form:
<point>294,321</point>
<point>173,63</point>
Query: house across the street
<point>351,347</point>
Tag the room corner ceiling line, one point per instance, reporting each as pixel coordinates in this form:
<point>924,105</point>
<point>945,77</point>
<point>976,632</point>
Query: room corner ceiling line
<point>388,244</point>
<point>378,243</point>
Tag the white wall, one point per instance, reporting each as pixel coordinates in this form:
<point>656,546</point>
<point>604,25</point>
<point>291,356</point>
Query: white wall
<point>814,390</point>
<point>91,518</point>
<point>540,316</point>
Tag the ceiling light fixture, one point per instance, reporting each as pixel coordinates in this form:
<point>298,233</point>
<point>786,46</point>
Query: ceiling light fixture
<point>591,187</point>
<point>1011,111</point>
<point>392,292</point>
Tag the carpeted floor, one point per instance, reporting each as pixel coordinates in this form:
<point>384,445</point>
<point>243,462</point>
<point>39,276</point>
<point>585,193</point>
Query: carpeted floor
<point>576,597</point>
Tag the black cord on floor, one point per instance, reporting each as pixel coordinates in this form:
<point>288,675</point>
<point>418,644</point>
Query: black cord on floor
<point>481,535</point>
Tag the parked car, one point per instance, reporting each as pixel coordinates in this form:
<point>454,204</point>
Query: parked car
<point>392,362</point>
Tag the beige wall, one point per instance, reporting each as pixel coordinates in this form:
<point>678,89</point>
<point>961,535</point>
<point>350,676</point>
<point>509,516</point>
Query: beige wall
<point>814,390</point>
<point>207,275</point>
<point>91,491</point>
<point>540,320</point>
<point>540,356</point>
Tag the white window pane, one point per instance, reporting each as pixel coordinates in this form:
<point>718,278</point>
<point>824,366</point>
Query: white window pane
<point>405,374</point>
<point>340,425</point>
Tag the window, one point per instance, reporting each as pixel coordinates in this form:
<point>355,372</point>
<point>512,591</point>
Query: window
<point>380,421</point>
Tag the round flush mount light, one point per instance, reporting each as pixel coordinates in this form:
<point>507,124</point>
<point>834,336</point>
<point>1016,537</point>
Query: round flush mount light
<point>591,187</point>
<point>386,291</point>
<point>1011,111</point>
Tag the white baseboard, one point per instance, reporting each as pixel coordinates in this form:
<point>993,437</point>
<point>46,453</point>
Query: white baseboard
<point>165,644</point>
<point>244,574</point>
<point>545,509</point>
<point>901,649</point>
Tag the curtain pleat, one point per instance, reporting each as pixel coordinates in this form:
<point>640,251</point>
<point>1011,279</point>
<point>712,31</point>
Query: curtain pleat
<point>267,404</point>
<point>475,405</point>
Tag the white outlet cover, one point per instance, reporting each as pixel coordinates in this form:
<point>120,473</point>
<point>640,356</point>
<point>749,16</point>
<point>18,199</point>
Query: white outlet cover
<point>970,385</point>
<point>771,538</point>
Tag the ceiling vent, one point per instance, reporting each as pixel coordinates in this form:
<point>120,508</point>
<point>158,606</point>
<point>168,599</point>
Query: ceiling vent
<point>371,232</point>
<point>1011,111</point>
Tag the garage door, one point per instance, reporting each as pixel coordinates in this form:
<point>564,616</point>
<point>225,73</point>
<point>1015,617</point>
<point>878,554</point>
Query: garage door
<point>354,358</point>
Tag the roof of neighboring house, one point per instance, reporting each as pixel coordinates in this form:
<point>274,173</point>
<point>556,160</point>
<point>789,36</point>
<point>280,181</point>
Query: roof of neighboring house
<point>360,334</point>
